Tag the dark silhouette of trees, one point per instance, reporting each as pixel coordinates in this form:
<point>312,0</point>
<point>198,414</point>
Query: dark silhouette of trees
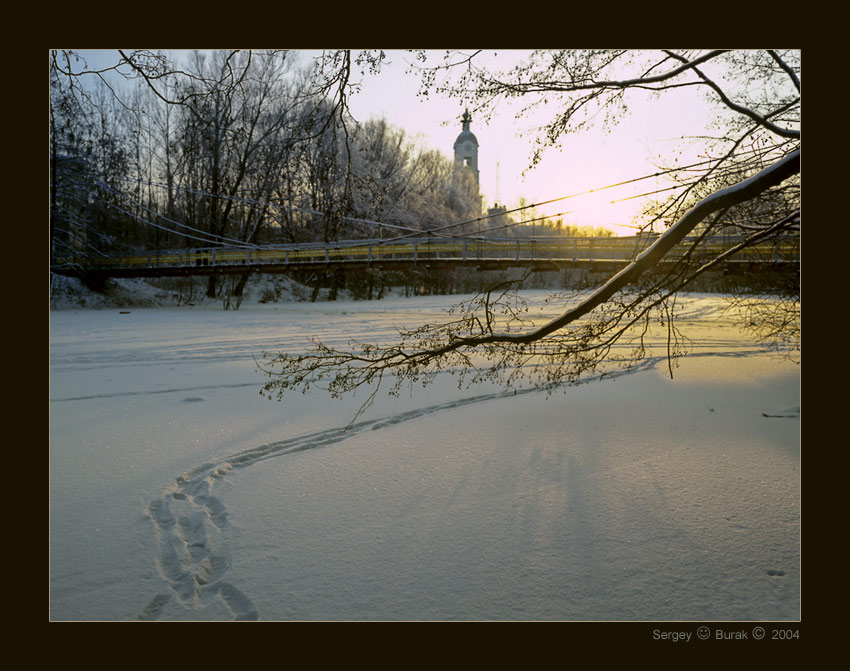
<point>231,148</point>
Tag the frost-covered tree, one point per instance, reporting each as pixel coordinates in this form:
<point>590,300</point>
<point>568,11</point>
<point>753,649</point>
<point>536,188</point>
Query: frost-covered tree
<point>225,145</point>
<point>399,183</point>
<point>750,184</point>
<point>91,138</point>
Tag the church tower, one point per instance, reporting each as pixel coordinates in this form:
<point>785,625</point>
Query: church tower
<point>466,147</point>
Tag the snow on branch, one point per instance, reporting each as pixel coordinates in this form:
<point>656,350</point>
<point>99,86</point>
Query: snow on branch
<point>576,342</point>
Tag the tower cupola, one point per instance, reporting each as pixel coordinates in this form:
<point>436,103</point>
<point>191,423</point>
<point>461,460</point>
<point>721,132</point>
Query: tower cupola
<point>466,147</point>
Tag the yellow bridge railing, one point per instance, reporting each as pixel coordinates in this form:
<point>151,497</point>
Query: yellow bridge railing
<point>466,250</point>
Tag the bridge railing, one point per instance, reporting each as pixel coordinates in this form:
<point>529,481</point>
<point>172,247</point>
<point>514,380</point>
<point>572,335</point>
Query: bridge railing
<point>416,250</point>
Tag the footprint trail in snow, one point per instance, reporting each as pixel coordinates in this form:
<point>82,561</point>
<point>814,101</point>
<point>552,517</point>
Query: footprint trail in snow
<point>190,522</point>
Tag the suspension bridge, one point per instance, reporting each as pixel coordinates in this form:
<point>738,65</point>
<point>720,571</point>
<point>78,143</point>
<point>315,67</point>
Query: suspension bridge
<point>405,248</point>
<point>547,253</point>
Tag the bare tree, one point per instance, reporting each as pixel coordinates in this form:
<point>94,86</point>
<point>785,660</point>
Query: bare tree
<point>756,192</point>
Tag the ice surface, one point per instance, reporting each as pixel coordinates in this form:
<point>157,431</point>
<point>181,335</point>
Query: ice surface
<point>178,492</point>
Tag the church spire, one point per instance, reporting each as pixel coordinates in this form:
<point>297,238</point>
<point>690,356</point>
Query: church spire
<point>466,147</point>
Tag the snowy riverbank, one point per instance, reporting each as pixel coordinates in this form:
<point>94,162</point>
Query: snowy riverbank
<point>177,492</point>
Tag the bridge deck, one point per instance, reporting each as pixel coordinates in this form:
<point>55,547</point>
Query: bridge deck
<point>543,254</point>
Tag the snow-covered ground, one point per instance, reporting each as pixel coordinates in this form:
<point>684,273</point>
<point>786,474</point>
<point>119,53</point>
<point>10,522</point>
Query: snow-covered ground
<point>178,492</point>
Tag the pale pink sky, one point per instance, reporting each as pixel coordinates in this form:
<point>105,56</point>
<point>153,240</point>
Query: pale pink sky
<point>587,161</point>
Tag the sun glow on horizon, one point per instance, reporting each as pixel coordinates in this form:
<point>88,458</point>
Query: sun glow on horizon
<point>580,166</point>
<point>617,210</point>
<point>573,174</point>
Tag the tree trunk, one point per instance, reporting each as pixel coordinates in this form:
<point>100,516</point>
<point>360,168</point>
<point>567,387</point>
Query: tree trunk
<point>316,288</point>
<point>336,280</point>
<point>240,288</point>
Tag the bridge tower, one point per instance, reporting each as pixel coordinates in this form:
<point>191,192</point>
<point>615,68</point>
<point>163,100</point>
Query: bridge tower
<point>466,147</point>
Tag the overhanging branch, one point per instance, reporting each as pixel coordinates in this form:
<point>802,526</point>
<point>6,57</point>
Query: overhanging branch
<point>725,198</point>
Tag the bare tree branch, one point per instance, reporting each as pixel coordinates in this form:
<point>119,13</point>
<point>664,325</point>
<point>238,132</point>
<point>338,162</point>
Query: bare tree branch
<point>759,119</point>
<point>421,353</point>
<point>782,64</point>
<point>726,198</point>
<point>566,87</point>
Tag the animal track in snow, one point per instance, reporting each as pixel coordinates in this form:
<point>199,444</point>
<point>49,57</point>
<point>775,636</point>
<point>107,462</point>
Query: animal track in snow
<point>190,521</point>
<point>154,609</point>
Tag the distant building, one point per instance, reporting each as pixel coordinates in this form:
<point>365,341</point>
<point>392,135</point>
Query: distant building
<point>498,222</point>
<point>466,147</point>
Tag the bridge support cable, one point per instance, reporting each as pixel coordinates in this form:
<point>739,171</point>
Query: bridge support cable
<point>213,238</point>
<point>376,249</point>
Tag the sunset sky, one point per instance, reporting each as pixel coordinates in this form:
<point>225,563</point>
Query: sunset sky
<point>583,162</point>
<point>590,160</point>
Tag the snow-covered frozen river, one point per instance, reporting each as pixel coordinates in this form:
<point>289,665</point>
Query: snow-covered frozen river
<point>179,492</point>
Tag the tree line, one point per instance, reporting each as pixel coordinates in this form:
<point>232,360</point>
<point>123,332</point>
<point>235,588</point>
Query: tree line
<point>229,148</point>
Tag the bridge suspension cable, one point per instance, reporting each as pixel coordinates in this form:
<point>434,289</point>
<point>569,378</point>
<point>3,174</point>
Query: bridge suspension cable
<point>595,190</point>
<point>408,232</point>
<point>211,237</point>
